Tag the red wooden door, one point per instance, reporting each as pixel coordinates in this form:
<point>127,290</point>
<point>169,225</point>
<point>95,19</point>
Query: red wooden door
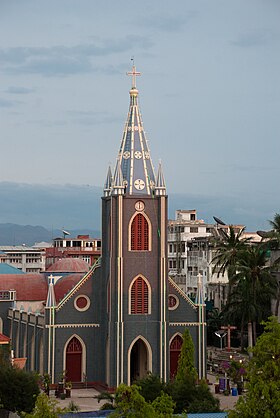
<point>74,360</point>
<point>175,349</point>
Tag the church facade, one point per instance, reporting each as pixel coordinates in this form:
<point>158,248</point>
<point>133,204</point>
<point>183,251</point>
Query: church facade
<point>124,317</point>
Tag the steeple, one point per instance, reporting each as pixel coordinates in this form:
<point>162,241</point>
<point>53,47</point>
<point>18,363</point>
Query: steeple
<point>134,155</point>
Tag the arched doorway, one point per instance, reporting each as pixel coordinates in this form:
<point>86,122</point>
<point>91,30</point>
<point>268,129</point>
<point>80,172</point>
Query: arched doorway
<point>74,352</point>
<point>139,361</point>
<point>175,350</point>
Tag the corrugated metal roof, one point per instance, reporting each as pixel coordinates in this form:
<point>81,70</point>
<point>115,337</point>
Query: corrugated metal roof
<point>7,269</point>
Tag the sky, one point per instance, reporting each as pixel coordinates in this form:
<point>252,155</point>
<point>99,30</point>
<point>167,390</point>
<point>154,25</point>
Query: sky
<point>209,95</point>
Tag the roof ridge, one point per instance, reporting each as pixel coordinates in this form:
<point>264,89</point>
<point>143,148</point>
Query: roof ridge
<point>79,284</point>
<point>183,294</point>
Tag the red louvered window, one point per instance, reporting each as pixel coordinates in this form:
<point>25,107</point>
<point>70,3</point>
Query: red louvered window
<point>139,297</point>
<point>140,233</point>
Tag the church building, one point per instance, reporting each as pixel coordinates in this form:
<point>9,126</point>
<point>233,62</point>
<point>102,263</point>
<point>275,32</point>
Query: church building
<point>124,317</point>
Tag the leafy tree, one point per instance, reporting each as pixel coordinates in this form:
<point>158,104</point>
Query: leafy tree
<point>45,408</point>
<point>18,389</point>
<point>151,387</point>
<point>191,397</point>
<point>263,397</point>
<point>130,404</point>
<point>164,406</point>
<point>186,359</point>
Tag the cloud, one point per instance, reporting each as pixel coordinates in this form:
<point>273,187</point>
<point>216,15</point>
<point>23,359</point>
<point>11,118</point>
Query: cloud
<point>253,38</point>
<point>62,61</point>
<point>8,103</point>
<point>167,23</point>
<point>18,90</point>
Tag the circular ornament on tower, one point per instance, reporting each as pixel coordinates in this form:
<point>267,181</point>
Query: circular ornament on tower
<point>139,184</point>
<point>126,155</point>
<point>139,206</point>
<point>138,155</point>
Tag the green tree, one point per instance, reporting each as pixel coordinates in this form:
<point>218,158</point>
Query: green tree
<point>151,387</point>
<point>263,397</point>
<point>227,251</point>
<point>253,286</point>
<point>164,406</point>
<point>45,408</point>
<point>131,404</point>
<point>18,389</point>
<point>186,359</point>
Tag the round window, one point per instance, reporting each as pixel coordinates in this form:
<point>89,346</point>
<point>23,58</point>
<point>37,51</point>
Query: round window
<point>173,302</point>
<point>82,303</point>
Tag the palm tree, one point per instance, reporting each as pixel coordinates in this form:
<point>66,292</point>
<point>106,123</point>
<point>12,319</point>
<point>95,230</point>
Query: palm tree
<point>253,286</point>
<point>228,249</point>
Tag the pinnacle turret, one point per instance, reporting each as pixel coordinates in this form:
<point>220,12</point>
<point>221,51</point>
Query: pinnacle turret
<point>108,182</point>
<point>160,189</point>
<point>118,181</point>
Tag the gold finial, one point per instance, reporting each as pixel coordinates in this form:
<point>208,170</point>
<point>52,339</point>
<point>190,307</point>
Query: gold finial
<point>133,74</point>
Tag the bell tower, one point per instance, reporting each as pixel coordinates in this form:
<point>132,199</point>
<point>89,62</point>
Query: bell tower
<point>134,258</point>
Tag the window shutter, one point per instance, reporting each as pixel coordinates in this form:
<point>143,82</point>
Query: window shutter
<point>139,233</point>
<point>139,297</point>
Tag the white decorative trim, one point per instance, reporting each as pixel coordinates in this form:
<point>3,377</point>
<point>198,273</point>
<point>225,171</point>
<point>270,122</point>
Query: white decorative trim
<point>183,294</point>
<point>84,354</point>
<point>87,305</point>
<point>149,356</point>
<point>78,285</point>
<point>74,326</point>
<point>175,335</point>
<point>172,308</point>
<point>149,294</point>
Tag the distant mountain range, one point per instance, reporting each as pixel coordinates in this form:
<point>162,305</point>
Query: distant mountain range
<point>32,213</point>
<point>13,234</point>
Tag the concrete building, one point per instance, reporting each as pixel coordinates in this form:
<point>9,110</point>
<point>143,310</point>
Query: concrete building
<point>22,257</point>
<point>191,251</point>
<point>82,247</point>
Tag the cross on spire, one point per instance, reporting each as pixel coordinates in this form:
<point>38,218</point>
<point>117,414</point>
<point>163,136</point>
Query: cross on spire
<point>133,74</point>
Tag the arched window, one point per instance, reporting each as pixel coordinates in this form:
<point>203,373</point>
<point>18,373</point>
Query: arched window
<point>139,297</point>
<point>139,233</point>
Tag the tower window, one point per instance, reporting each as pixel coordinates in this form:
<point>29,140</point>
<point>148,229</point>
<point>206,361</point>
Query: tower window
<point>139,297</point>
<point>139,233</point>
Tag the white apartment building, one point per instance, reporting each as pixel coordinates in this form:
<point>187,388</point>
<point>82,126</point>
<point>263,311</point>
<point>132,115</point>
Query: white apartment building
<point>22,257</point>
<point>190,252</point>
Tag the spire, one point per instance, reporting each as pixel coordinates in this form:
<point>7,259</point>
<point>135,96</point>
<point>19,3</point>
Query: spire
<point>108,182</point>
<point>134,155</point>
<point>118,182</point>
<point>51,302</point>
<point>160,189</point>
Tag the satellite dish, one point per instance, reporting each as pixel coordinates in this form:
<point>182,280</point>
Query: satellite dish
<point>218,221</point>
<point>65,232</point>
